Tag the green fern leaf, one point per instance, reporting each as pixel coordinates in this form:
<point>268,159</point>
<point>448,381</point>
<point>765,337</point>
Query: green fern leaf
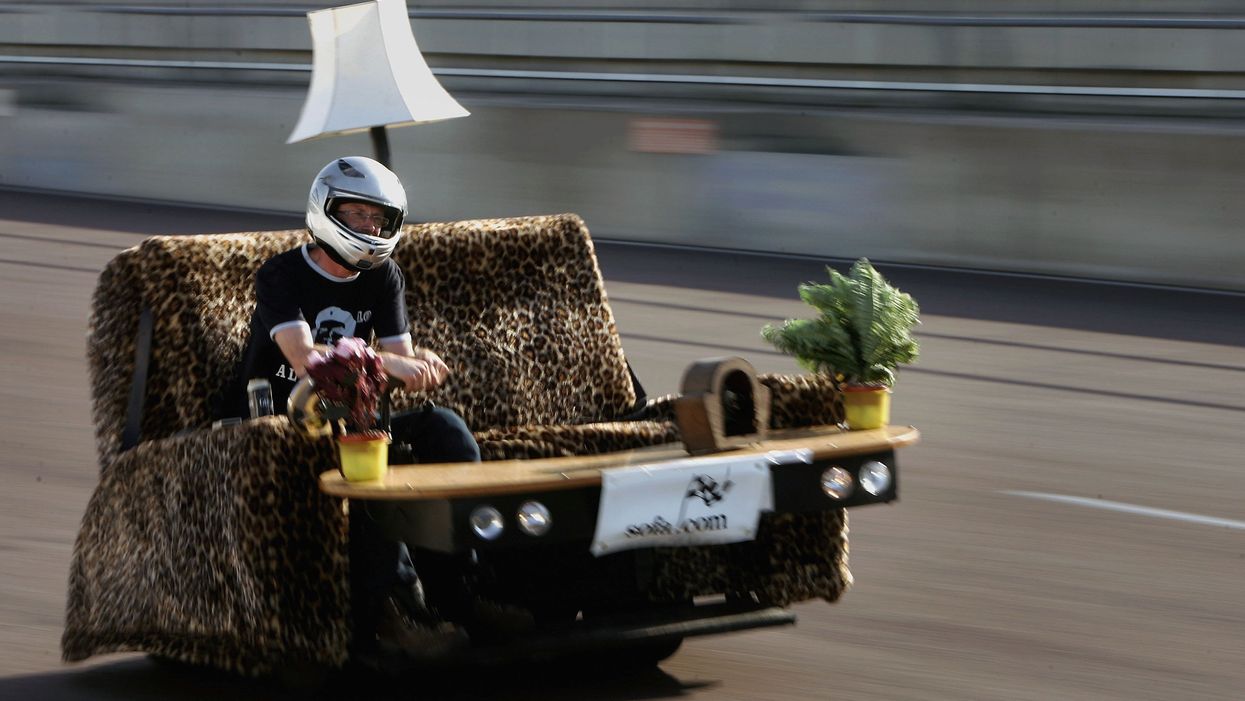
<point>863,327</point>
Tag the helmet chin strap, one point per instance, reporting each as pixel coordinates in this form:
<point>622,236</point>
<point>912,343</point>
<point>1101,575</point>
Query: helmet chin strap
<point>335,256</point>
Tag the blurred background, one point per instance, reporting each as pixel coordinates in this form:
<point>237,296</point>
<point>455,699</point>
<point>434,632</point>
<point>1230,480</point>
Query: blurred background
<point>1096,138</point>
<point>1056,181</point>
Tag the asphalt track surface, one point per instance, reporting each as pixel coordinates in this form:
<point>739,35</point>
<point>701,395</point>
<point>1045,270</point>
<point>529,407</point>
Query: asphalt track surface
<point>1071,526</point>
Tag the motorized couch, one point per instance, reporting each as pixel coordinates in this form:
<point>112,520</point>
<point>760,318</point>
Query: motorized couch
<point>215,546</point>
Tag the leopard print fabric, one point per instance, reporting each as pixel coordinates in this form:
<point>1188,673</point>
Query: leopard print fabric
<point>179,555</point>
<point>518,309</point>
<point>516,306</point>
<point>657,409</point>
<point>216,547</point>
<point>803,400</point>
<point>530,442</point>
<point>795,400</point>
<point>794,557</point>
<point>251,556</point>
<point>201,293</point>
<point>111,338</point>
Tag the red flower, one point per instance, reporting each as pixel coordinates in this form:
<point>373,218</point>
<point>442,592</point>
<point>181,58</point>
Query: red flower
<point>352,377</point>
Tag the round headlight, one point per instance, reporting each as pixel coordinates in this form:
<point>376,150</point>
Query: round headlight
<point>836,482</point>
<point>486,522</point>
<point>875,477</point>
<point>534,518</point>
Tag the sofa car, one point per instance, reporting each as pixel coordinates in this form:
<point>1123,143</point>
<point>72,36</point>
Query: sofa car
<point>215,546</point>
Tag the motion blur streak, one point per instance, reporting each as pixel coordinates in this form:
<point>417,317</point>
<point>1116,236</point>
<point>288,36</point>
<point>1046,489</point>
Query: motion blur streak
<point>1088,139</point>
<point>1132,509</point>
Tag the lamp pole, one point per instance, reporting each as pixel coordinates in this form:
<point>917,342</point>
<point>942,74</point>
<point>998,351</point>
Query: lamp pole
<point>380,144</point>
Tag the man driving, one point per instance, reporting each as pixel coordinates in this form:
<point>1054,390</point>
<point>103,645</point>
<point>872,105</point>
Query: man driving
<point>346,284</point>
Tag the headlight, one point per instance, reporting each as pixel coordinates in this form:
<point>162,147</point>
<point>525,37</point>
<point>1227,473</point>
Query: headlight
<point>875,477</point>
<point>534,518</point>
<point>486,522</point>
<point>836,482</point>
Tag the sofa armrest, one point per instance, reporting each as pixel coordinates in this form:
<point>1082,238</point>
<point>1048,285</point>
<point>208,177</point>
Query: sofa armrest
<point>214,548</point>
<point>540,441</point>
<point>795,400</point>
<point>802,400</point>
<point>654,409</point>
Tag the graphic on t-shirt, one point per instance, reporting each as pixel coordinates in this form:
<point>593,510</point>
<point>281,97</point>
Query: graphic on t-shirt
<point>333,323</point>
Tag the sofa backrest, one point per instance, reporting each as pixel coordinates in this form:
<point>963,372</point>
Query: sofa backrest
<point>517,308</point>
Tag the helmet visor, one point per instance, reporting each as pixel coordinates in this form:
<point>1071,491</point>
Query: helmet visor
<point>368,219</point>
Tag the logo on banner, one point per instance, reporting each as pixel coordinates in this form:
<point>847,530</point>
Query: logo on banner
<point>707,489</point>
<point>695,501</point>
<point>703,487</point>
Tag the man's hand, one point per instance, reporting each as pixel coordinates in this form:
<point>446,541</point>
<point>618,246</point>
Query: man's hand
<point>423,370</point>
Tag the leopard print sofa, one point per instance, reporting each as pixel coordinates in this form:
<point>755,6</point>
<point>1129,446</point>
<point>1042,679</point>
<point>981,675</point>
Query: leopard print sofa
<point>215,547</point>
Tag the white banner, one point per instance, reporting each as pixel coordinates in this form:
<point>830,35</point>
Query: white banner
<point>697,501</point>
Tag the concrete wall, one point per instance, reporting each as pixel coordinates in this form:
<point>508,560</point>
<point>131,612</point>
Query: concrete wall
<point>1135,185</point>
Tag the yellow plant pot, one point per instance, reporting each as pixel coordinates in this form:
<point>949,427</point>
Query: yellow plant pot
<point>363,459</point>
<point>866,407</point>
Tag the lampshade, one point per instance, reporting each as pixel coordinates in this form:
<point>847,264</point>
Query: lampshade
<point>366,72</point>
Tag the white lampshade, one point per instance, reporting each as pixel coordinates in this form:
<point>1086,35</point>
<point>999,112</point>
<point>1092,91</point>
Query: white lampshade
<point>366,72</point>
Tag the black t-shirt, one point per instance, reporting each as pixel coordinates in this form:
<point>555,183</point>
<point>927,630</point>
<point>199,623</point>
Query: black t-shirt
<point>291,289</point>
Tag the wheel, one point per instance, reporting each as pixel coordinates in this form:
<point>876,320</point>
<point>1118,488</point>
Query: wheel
<point>647,653</point>
<point>301,677</point>
<point>619,660</point>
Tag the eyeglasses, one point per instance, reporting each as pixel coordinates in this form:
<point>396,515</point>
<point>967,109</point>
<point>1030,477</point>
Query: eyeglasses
<point>359,218</point>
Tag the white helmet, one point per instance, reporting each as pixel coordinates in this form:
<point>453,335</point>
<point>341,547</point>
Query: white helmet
<point>355,179</point>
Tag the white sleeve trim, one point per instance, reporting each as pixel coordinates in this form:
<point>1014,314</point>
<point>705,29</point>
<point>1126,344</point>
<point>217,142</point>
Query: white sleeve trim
<point>395,339</point>
<point>289,324</point>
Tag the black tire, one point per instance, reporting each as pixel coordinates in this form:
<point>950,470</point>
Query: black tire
<point>648,653</point>
<point>619,660</point>
<point>172,664</point>
<point>301,677</point>
<point>181,668</point>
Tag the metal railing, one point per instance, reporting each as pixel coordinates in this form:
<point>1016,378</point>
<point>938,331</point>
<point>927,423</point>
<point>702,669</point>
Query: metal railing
<point>1155,20</point>
<point>670,78</point>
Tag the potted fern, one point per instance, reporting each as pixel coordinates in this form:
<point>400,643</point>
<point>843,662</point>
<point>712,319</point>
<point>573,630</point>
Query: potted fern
<point>862,333</point>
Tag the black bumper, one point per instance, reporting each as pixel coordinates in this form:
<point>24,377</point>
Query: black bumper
<point>444,525</point>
